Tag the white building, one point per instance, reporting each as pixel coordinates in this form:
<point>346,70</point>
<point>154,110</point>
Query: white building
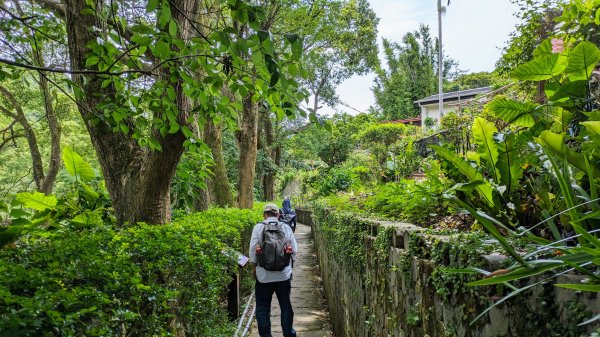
<point>453,101</point>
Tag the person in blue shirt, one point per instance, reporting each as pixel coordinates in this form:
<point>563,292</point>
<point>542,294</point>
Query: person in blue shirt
<point>288,215</point>
<point>269,282</point>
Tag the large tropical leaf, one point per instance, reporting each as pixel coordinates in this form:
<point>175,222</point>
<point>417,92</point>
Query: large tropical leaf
<point>565,92</point>
<point>509,162</point>
<point>534,267</point>
<point>582,61</point>
<point>555,143</point>
<point>561,117</point>
<point>485,190</point>
<point>592,127</point>
<point>514,112</point>
<point>545,48</point>
<point>36,200</point>
<point>541,68</point>
<point>76,166</point>
<point>88,218</point>
<point>483,134</point>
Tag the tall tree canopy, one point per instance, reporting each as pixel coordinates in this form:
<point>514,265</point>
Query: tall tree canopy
<point>142,74</point>
<point>411,74</point>
<point>537,23</point>
<point>340,40</point>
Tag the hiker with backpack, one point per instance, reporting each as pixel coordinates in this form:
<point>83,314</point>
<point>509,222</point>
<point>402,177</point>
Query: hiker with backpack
<point>272,250</point>
<point>288,215</point>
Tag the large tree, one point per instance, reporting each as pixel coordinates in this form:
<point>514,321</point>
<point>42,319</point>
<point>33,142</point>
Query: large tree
<point>410,75</point>
<point>134,69</point>
<point>340,40</point>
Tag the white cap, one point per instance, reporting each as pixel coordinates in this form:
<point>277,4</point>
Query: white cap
<point>271,208</point>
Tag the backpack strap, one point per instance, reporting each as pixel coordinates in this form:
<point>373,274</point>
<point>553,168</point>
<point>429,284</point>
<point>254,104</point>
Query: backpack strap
<point>265,224</point>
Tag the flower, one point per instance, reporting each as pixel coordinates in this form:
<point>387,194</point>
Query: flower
<point>558,46</point>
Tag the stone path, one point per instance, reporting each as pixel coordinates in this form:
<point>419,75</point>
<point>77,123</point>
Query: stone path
<point>311,318</point>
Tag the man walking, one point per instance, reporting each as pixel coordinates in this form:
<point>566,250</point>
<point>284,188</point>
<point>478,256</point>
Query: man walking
<point>272,248</point>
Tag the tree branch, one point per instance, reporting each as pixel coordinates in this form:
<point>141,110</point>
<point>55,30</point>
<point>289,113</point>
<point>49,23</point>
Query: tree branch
<point>80,72</point>
<point>55,7</point>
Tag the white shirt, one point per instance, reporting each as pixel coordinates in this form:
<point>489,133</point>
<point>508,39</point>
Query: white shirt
<point>267,276</point>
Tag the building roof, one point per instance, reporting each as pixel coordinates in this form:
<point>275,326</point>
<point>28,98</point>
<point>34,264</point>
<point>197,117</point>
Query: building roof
<point>406,121</point>
<point>455,95</point>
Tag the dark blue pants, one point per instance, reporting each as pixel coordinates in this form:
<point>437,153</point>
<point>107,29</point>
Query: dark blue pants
<point>264,294</point>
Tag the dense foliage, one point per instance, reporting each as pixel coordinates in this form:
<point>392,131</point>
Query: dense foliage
<point>186,107</point>
<point>139,280</point>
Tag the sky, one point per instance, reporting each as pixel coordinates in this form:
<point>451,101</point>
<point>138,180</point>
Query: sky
<point>473,33</point>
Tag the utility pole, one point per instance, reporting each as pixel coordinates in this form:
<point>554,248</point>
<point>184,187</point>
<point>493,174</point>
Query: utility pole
<point>440,60</point>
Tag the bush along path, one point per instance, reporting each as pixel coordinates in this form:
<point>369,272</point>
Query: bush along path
<point>311,317</point>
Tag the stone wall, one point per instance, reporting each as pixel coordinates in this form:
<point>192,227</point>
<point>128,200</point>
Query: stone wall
<point>395,287</point>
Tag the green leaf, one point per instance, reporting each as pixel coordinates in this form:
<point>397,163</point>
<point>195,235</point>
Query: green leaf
<point>570,90</point>
<point>268,45</point>
<point>581,287</point>
<point>165,15</point>
<point>262,35</point>
<point>509,162</point>
<point>76,166</point>
<point>582,61</point>
<point>162,49</point>
<point>86,219</point>
<point>485,190</point>
<point>154,144</point>
<point>274,79</point>
<point>151,5</point>
<point>92,60</point>
<point>89,193</point>
<point>37,200</point>
<point>173,128</point>
<point>592,127</point>
<point>296,50</point>
<point>18,213</point>
<point>541,68</point>
<point>3,206</point>
<point>556,144</point>
<point>545,48</point>
<point>172,28</point>
<point>483,134</point>
<point>186,131</point>
<point>513,112</point>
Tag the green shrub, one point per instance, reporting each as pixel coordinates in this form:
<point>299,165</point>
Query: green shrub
<point>416,202</point>
<point>140,281</point>
<point>335,180</point>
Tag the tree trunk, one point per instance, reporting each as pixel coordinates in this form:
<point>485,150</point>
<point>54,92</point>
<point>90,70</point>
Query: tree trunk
<point>247,137</point>
<point>541,93</point>
<point>269,175</point>
<point>202,202</point>
<point>220,189</point>
<point>137,179</point>
<point>55,133</point>
<point>32,142</point>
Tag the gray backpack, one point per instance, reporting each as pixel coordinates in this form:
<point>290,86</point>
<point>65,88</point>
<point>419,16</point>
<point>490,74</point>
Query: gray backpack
<point>274,241</point>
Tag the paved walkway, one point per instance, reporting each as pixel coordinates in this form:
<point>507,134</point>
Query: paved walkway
<point>311,318</point>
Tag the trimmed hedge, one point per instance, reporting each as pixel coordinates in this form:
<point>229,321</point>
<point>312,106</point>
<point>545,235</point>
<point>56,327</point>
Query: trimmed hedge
<point>137,281</point>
